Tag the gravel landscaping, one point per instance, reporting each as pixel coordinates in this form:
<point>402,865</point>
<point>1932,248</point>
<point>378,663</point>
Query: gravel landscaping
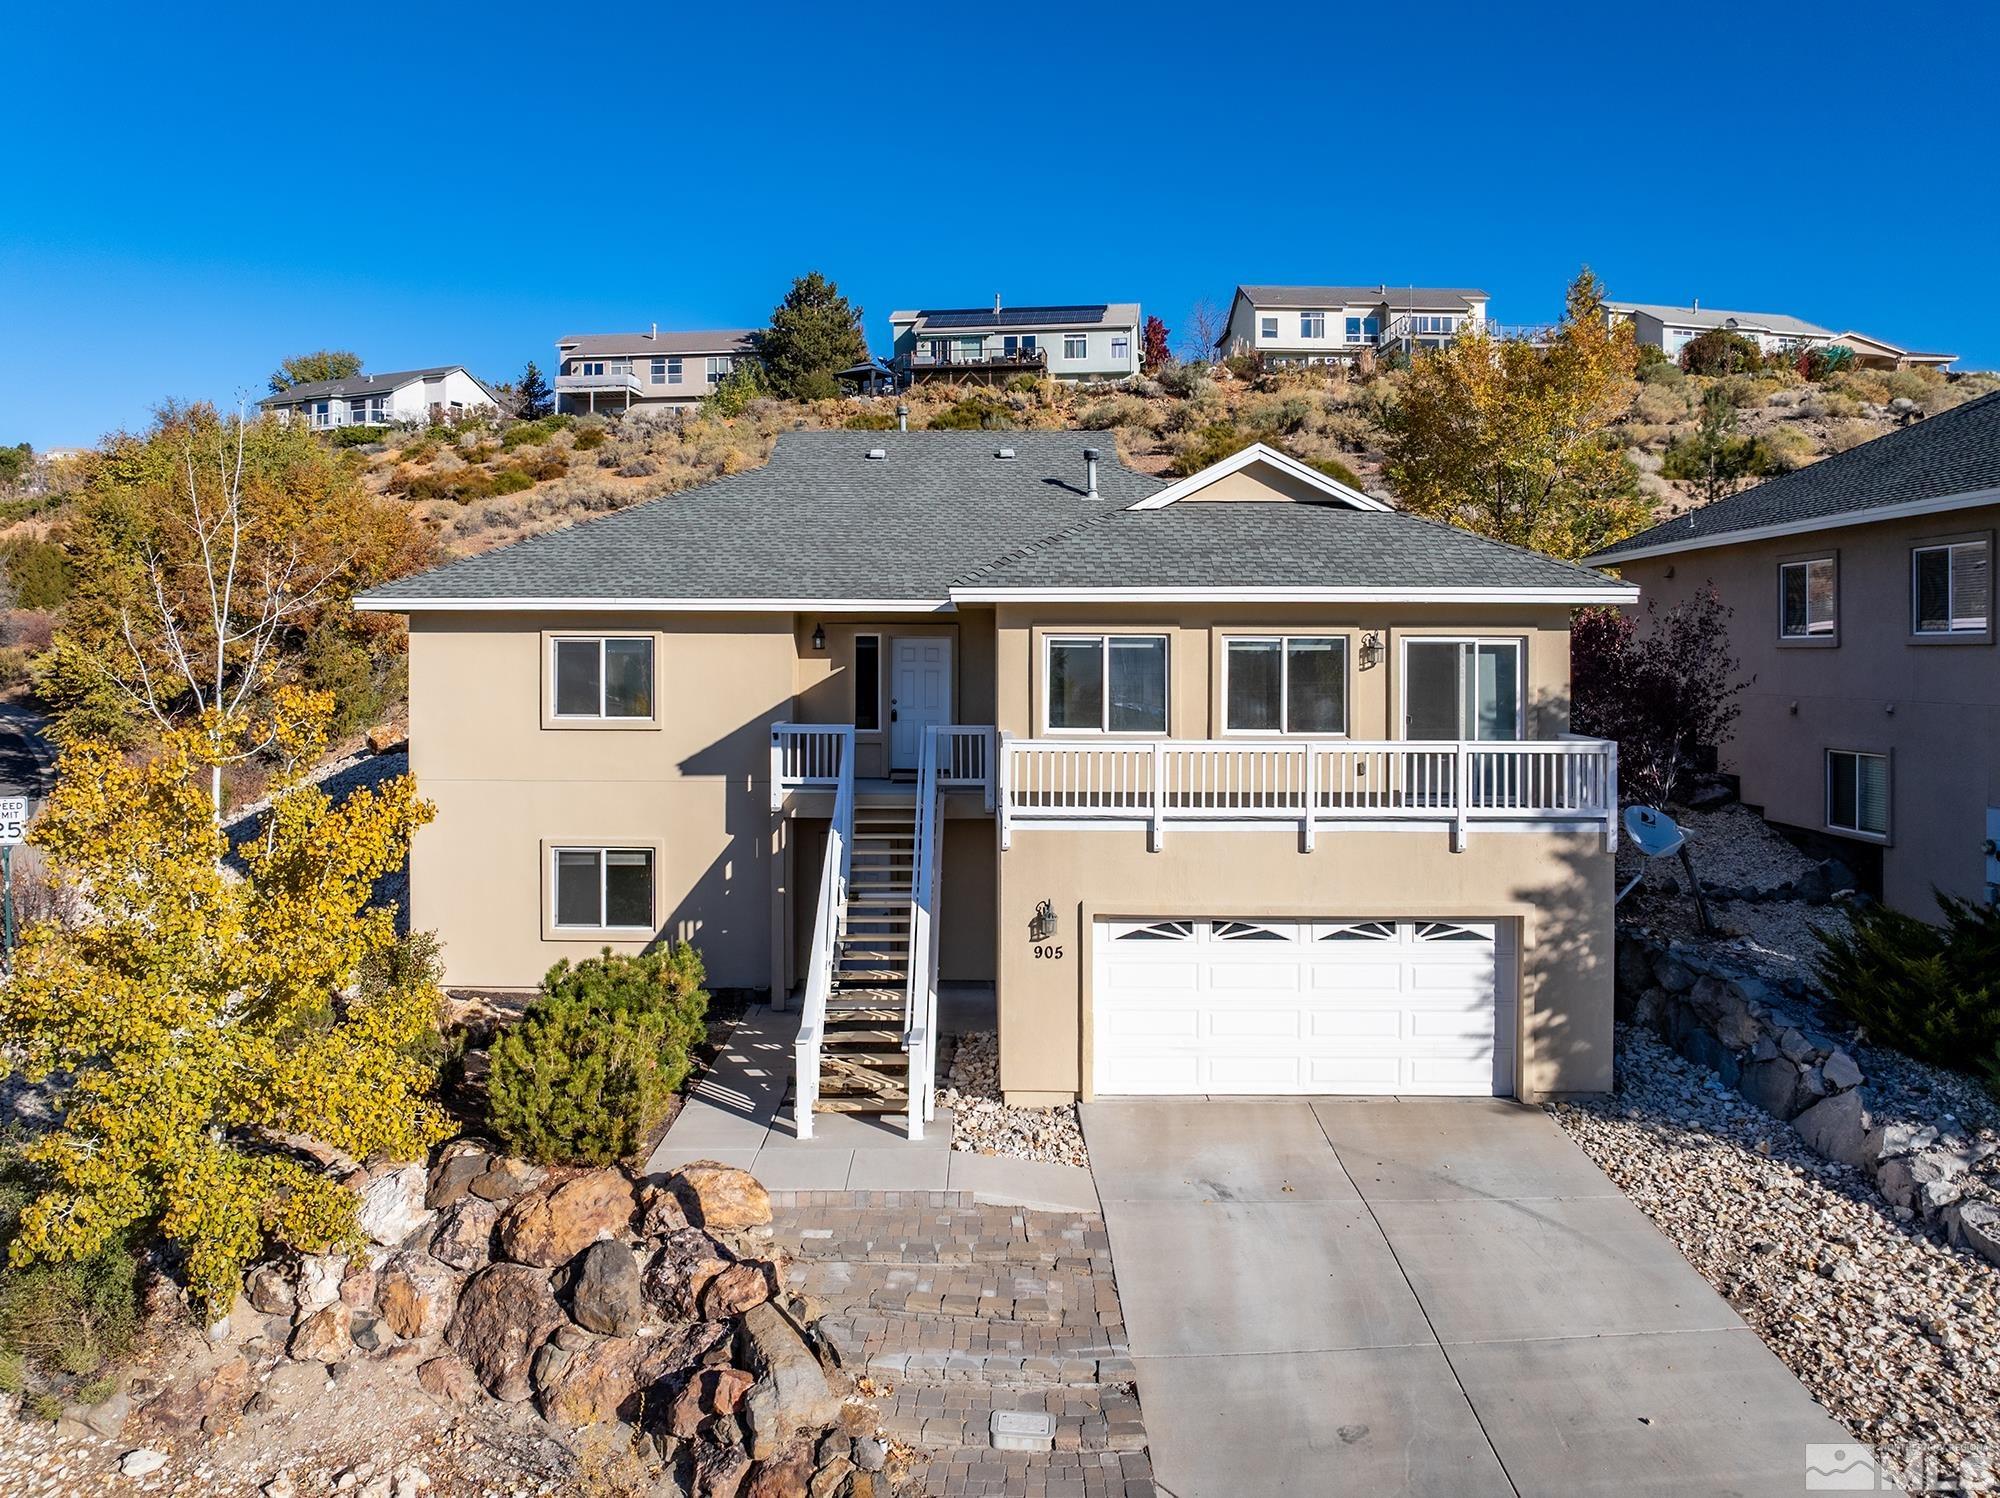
<point>1895,1333</point>
<point>984,1125</point>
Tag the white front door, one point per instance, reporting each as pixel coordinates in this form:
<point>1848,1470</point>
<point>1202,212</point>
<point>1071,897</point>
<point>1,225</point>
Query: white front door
<point>919,695</point>
<point>1291,1006</point>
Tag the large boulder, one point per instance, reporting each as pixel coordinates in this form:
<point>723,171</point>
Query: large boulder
<point>324,1336</point>
<point>1927,1183</point>
<point>1773,1085</point>
<point>1976,1225</point>
<point>791,1393</point>
<point>712,1391</point>
<point>605,1295</point>
<point>506,1179</point>
<point>603,1378</point>
<point>681,1270</point>
<point>453,1176</point>
<point>448,1379</point>
<point>784,1475</point>
<point>392,1205</point>
<point>464,1235</point>
<point>417,1295</point>
<point>505,1312</point>
<point>660,1211</point>
<point>720,1196</point>
<point>719,1471</point>
<point>552,1226</point>
<point>738,1288</point>
<point>271,1290</point>
<point>319,1281</point>
<point>1837,1128</point>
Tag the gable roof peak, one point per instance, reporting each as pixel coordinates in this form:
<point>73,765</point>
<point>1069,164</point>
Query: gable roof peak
<point>1260,452</point>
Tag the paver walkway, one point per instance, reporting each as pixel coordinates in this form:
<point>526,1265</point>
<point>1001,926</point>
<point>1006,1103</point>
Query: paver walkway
<point>1422,1296</point>
<point>952,1310</point>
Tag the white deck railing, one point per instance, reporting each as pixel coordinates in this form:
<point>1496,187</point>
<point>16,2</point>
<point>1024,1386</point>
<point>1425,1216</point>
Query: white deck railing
<point>1311,784</point>
<point>926,884</point>
<point>809,756</point>
<point>830,752</point>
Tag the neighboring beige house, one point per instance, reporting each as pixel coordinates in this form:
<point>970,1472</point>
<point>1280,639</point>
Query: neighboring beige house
<point>403,398</point>
<point>1242,784</point>
<point>1318,324</point>
<point>1862,591</point>
<point>1670,329</point>
<point>615,372</point>
<point>1086,342</point>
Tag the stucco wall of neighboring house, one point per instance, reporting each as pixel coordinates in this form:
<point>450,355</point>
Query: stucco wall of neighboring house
<point>1932,706</point>
<point>1195,642</point>
<point>1556,884</point>
<point>1099,361</point>
<point>693,785</point>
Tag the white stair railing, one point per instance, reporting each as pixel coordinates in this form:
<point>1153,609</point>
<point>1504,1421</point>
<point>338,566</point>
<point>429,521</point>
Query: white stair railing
<point>809,756</point>
<point>832,763</point>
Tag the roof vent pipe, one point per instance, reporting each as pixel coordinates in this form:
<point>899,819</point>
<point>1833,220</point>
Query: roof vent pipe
<point>1697,304</point>
<point>902,416</point>
<point>656,330</point>
<point>996,304</point>
<point>1090,472</point>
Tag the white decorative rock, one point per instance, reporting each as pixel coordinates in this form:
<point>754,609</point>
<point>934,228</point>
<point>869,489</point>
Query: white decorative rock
<point>143,1462</point>
<point>392,1205</point>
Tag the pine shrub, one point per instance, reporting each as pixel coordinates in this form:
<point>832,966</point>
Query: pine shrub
<point>590,1069</point>
<point>1932,992</point>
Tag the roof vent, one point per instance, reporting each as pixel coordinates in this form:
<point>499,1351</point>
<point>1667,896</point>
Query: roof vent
<point>878,452</point>
<point>1090,471</point>
<point>1003,452</point>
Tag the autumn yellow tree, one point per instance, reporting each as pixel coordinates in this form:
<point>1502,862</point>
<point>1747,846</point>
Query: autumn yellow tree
<point>1512,440</point>
<point>213,1022</point>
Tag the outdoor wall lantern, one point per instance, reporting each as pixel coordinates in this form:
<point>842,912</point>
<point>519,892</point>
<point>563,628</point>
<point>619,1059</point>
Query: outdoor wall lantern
<point>1371,650</point>
<point>819,637</point>
<point>1043,926</point>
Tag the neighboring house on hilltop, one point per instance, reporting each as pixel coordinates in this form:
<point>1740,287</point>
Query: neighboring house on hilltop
<point>1243,784</point>
<point>1862,591</point>
<point>407,396</point>
<point>1316,324</point>
<point>614,372</point>
<point>1094,341</point>
<point>1670,329</point>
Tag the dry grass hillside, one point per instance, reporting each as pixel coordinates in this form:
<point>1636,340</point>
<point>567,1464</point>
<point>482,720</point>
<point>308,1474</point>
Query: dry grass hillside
<point>482,487</point>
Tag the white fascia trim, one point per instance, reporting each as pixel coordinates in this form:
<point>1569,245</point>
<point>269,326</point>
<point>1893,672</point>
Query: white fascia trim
<point>1607,594</point>
<point>1258,452</point>
<point>369,603</point>
<point>1944,505</point>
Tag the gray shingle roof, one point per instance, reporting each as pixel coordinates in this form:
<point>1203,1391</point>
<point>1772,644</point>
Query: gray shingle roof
<point>364,384</point>
<point>1722,317</point>
<point>821,520</point>
<point>1956,452</point>
<point>1421,298</point>
<point>712,341</point>
<point>969,320</point>
<point>1248,544</point>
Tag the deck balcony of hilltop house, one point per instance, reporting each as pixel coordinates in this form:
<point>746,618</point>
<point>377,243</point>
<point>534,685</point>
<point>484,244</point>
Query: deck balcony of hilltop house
<point>974,358</point>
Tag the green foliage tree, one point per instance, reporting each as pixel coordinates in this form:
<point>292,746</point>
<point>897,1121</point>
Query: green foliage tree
<point>1513,441</point>
<point>195,1022</point>
<point>589,1070</point>
<point>532,399</point>
<point>814,331</point>
<point>321,364</point>
<point>1932,992</point>
<point>1716,458</point>
<point>1720,352</point>
<point>16,462</point>
<point>744,383</point>
<point>37,572</point>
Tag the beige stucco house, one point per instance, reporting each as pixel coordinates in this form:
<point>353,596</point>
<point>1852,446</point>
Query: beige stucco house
<point>1862,599</point>
<point>619,372</point>
<point>1242,784</point>
<point>1325,324</point>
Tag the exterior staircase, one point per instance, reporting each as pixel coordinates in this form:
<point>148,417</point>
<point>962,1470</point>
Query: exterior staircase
<point>863,1065</point>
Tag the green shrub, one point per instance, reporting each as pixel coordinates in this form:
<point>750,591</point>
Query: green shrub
<point>591,437</point>
<point>39,572</point>
<point>1211,444</point>
<point>358,436</point>
<point>1932,992</point>
<point>871,421</point>
<point>1720,352</point>
<point>971,413</point>
<point>745,382</point>
<point>74,1316</point>
<point>1661,371</point>
<point>1333,468</point>
<point>589,1070</point>
<point>1186,381</point>
<point>1024,384</point>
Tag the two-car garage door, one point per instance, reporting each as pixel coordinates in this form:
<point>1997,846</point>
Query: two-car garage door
<point>1295,1006</point>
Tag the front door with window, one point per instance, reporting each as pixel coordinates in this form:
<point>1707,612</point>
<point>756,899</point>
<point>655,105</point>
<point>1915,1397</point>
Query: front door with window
<point>1462,689</point>
<point>919,695</point>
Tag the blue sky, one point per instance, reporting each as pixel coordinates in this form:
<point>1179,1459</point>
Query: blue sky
<point>191,194</point>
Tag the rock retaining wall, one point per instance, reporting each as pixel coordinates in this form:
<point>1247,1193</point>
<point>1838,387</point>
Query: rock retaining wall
<point>1761,1038</point>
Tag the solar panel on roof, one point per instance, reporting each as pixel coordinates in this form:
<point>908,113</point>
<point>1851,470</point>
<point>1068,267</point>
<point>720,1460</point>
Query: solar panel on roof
<point>1013,317</point>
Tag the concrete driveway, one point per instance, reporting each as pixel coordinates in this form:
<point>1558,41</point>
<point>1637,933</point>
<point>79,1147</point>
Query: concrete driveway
<point>1414,1296</point>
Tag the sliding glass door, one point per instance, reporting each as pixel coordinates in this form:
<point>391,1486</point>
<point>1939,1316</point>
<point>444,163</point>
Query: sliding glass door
<point>1462,689</point>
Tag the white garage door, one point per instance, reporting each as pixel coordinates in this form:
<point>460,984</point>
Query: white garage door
<point>1287,1006</point>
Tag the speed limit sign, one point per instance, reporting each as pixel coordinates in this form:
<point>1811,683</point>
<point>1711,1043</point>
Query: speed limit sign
<point>13,821</point>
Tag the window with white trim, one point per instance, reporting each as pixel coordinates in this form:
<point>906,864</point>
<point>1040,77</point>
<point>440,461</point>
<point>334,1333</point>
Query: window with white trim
<point>1268,327</point>
<point>1121,348</point>
<point>719,366</point>
<point>1951,588</point>
<point>357,413</point>
<point>1284,684</point>
<point>1857,792</point>
<point>1312,325</point>
<point>1075,346</point>
<point>602,889</point>
<point>1806,602</point>
<point>658,371</point>
<point>1106,683</point>
<point>601,676</point>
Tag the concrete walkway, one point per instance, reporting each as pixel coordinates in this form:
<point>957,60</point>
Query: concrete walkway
<point>1418,1296</point>
<point>741,1114</point>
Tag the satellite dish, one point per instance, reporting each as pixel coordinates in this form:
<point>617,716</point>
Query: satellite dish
<point>1658,835</point>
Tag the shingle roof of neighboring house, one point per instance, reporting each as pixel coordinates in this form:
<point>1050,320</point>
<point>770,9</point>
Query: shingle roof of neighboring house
<point>992,320</point>
<point>1415,298</point>
<point>713,341</point>
<point>1721,317</point>
<point>1954,453</point>
<point>823,522</point>
<point>1252,544</point>
<point>379,384</point>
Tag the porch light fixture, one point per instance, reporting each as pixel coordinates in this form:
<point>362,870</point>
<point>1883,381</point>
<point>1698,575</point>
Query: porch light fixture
<point>819,637</point>
<point>1043,925</point>
<point>1371,650</point>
